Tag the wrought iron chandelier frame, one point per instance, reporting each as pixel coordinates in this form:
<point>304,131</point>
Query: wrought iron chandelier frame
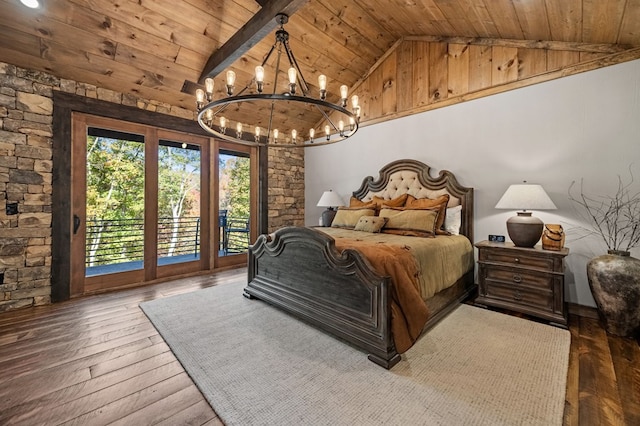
<point>210,112</point>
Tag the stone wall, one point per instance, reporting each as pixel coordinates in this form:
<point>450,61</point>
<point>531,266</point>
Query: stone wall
<point>286,188</point>
<point>26,109</point>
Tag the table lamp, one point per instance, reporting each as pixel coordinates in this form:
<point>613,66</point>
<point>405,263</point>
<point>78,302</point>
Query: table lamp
<point>525,230</point>
<point>329,200</point>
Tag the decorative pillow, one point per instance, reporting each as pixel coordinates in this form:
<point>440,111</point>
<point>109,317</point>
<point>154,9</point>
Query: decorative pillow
<point>454,220</point>
<point>348,217</point>
<point>419,223</point>
<point>356,202</point>
<point>395,202</point>
<point>430,203</point>
<point>370,223</point>
<point>377,202</point>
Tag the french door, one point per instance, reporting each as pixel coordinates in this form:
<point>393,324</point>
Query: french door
<point>141,203</point>
<point>236,189</point>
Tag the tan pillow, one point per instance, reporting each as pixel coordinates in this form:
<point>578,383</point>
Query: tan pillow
<point>370,223</point>
<point>420,222</point>
<point>430,203</point>
<point>348,217</point>
<point>395,202</point>
<point>377,202</point>
<point>355,202</point>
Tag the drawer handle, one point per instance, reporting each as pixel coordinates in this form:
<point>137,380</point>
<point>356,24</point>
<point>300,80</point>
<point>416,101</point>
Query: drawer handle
<point>517,279</point>
<point>517,260</point>
<point>517,295</point>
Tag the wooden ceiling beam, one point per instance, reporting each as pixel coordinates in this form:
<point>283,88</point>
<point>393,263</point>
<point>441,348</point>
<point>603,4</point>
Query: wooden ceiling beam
<point>527,44</point>
<point>258,27</point>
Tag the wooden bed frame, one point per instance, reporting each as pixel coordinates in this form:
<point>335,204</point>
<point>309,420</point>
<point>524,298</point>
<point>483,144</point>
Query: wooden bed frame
<point>300,271</point>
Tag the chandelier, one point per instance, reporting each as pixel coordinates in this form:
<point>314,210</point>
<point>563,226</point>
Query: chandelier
<point>271,111</point>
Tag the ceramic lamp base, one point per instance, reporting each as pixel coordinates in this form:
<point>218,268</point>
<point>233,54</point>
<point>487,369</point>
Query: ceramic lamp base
<point>327,216</point>
<point>524,229</point>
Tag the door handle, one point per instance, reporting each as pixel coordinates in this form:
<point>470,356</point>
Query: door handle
<point>76,223</point>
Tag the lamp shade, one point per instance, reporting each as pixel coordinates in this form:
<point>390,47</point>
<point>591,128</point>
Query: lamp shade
<point>525,196</point>
<point>524,229</point>
<point>330,199</point>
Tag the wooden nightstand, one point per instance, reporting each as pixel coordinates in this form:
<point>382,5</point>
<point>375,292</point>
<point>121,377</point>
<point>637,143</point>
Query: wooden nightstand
<point>526,280</point>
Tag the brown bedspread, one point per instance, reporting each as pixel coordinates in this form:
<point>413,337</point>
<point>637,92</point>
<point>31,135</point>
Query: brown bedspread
<point>419,268</point>
<point>408,311</point>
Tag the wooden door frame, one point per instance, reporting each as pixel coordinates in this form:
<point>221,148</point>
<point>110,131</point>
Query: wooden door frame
<point>81,284</point>
<point>62,222</point>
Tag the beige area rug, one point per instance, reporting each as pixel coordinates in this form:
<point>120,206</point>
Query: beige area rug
<point>259,366</point>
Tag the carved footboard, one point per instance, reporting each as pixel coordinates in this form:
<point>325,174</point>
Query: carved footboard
<point>300,271</point>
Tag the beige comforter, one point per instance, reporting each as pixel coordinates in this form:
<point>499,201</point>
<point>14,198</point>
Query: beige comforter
<point>441,260</point>
<point>418,267</point>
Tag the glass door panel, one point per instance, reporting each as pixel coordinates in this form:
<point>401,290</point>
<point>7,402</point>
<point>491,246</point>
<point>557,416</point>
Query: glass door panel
<point>115,184</point>
<point>234,202</point>
<point>179,200</point>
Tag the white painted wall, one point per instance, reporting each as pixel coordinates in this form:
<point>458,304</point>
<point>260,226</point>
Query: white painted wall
<point>583,126</point>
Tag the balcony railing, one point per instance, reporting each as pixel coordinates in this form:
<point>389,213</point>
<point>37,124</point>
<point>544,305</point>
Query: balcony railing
<point>111,242</point>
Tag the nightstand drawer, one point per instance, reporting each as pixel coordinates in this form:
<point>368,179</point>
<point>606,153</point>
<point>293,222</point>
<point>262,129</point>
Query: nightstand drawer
<point>519,277</point>
<point>515,258</point>
<point>520,295</point>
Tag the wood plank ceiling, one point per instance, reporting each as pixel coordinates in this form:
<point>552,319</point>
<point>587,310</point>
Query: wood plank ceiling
<point>149,48</point>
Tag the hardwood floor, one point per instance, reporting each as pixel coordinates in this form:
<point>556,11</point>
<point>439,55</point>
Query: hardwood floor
<point>98,360</point>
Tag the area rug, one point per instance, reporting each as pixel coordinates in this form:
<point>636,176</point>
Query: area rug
<point>258,366</point>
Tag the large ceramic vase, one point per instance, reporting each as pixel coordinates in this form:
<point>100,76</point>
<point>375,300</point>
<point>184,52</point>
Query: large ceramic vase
<point>614,279</point>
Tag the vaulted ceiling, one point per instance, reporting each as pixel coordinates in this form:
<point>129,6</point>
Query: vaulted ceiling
<point>150,48</point>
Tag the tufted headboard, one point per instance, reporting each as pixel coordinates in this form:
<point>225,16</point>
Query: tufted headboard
<point>412,177</point>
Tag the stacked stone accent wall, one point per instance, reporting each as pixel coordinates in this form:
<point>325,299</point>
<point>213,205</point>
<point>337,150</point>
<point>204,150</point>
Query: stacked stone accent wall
<point>26,110</point>
<point>286,188</point>
<point>26,114</point>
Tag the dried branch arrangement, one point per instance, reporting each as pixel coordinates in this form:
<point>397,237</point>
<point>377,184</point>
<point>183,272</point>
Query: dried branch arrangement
<point>615,218</point>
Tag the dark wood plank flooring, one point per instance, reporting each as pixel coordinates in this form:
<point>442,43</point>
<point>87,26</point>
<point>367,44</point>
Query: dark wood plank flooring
<point>98,360</point>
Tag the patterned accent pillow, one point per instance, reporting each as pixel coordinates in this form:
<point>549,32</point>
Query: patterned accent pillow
<point>430,203</point>
<point>348,217</point>
<point>418,223</point>
<point>370,224</point>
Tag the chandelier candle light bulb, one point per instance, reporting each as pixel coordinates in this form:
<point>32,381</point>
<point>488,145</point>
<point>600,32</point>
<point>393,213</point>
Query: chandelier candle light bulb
<point>257,133</point>
<point>259,78</point>
<point>275,135</point>
<point>344,92</point>
<point>312,133</point>
<point>200,98</point>
<point>292,73</point>
<point>322,83</point>
<point>208,87</point>
<point>294,135</point>
<point>231,80</point>
<point>239,130</point>
<point>223,125</point>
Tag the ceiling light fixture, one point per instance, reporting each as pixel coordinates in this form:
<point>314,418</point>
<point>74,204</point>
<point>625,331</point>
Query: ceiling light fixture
<point>292,97</point>
<point>33,4</point>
